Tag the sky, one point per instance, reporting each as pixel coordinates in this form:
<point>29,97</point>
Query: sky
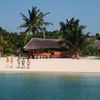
<point>87,11</point>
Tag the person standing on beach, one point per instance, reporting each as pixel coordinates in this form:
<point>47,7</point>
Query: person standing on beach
<point>23,63</point>
<point>18,61</point>
<point>7,62</point>
<point>28,63</point>
<point>11,61</point>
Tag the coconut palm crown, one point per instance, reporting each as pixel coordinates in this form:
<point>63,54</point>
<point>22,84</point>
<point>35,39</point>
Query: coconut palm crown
<point>72,35</point>
<point>34,23</point>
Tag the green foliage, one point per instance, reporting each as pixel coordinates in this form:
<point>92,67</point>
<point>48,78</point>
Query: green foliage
<point>90,51</point>
<point>97,36</point>
<point>53,35</point>
<point>72,35</point>
<point>10,43</point>
<point>34,23</point>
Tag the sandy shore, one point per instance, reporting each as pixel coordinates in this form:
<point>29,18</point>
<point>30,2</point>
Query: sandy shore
<point>63,65</point>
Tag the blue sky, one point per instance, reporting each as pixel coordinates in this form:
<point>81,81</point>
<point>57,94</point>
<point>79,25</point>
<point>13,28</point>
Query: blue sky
<point>88,11</point>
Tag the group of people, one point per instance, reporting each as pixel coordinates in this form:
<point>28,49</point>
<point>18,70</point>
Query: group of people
<point>21,62</point>
<point>9,62</point>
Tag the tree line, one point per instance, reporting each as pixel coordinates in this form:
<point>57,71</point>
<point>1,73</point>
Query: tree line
<point>71,34</point>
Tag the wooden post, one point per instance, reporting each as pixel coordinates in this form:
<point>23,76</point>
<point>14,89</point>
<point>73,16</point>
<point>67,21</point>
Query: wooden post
<point>30,53</point>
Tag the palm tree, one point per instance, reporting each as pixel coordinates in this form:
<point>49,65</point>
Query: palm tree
<point>72,35</point>
<point>34,23</point>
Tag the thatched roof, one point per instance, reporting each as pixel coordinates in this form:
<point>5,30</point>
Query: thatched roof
<point>97,44</point>
<point>37,43</point>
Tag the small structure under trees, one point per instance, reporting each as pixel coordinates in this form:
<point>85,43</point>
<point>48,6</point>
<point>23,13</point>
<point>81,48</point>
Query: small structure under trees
<point>39,43</point>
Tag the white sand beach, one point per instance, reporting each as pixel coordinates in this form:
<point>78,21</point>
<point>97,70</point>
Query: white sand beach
<point>63,65</point>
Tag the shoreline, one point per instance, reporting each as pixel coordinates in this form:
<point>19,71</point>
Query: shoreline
<point>50,73</point>
<point>59,65</point>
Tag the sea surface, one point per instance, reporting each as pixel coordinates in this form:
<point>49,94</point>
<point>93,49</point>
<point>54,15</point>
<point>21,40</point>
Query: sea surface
<point>48,86</point>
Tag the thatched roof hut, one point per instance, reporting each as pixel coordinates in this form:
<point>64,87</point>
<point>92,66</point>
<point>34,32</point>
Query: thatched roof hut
<point>38,43</point>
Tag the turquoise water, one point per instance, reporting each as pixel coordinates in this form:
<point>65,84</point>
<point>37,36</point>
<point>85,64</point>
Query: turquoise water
<point>36,86</point>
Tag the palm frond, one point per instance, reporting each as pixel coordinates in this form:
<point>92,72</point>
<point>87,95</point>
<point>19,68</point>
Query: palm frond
<point>35,21</point>
<point>47,23</point>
